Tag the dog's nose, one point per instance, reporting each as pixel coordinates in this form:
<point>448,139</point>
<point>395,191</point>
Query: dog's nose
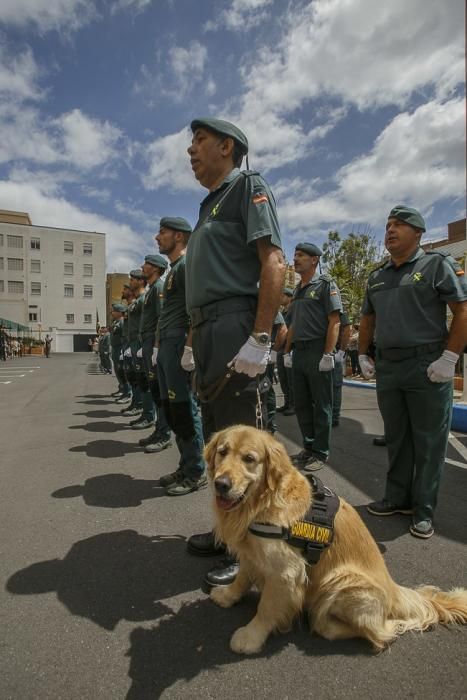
<point>223,485</point>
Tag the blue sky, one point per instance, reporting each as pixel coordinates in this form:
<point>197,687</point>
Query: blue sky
<point>350,106</point>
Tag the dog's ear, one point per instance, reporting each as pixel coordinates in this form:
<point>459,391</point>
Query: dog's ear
<point>277,463</point>
<point>210,452</point>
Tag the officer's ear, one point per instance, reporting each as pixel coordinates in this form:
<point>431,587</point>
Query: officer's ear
<point>210,452</point>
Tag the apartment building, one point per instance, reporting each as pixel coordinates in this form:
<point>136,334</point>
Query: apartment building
<point>52,280</point>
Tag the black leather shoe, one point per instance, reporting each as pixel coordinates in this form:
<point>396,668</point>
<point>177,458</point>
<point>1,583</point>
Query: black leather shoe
<point>379,441</point>
<point>290,411</point>
<point>148,440</point>
<point>223,574</point>
<point>204,545</point>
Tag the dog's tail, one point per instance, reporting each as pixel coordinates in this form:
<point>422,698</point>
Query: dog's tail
<point>420,608</point>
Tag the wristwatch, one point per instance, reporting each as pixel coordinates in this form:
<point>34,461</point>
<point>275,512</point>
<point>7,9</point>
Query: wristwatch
<point>262,338</point>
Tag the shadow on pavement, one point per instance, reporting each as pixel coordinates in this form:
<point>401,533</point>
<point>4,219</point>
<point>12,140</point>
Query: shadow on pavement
<point>113,491</point>
<point>100,414</point>
<point>200,646</point>
<point>97,402</point>
<point>115,576</point>
<point>100,427</point>
<point>107,449</point>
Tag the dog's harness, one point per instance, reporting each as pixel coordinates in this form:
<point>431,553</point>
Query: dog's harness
<point>315,531</point>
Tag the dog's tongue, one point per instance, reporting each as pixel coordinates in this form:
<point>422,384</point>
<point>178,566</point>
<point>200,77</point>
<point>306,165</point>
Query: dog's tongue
<point>224,503</point>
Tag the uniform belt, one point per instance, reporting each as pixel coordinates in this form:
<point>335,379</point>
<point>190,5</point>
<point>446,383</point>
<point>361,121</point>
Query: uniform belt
<point>306,344</point>
<point>210,312</point>
<point>399,354</point>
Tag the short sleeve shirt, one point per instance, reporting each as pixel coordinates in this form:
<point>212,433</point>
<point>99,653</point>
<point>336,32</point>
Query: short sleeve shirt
<point>151,308</point>
<point>409,301</point>
<point>116,334</point>
<point>311,307</point>
<point>221,259</point>
<point>134,318</point>
<point>174,313</point>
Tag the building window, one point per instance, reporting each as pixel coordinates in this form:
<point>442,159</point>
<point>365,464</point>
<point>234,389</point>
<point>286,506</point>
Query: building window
<point>35,287</point>
<point>15,263</point>
<point>2,286</point>
<point>1,239</point>
<point>87,318</point>
<point>69,290</point>
<point>35,265</point>
<point>68,268</point>
<point>87,270</point>
<point>35,244</point>
<point>14,241</point>
<point>87,292</point>
<point>68,246</point>
<point>32,316</point>
<point>70,318</point>
<point>1,263</point>
<point>87,248</point>
<point>15,287</point>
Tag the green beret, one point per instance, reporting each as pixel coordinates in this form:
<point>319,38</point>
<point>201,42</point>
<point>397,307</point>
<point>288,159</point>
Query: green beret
<point>136,274</point>
<point>219,126</point>
<point>156,261</point>
<point>119,307</point>
<point>176,223</point>
<point>309,249</point>
<point>409,216</point>
<point>287,291</point>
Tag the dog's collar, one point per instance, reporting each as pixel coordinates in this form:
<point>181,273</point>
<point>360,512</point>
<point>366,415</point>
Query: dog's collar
<point>314,532</point>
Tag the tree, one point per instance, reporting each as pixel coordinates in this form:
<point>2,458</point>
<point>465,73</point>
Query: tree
<point>349,261</point>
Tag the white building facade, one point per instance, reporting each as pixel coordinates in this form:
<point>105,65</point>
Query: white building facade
<point>53,281</point>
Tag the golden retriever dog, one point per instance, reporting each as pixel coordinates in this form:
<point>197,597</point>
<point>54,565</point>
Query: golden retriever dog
<point>348,593</point>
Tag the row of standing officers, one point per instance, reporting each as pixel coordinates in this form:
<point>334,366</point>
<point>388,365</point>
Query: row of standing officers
<point>221,294</point>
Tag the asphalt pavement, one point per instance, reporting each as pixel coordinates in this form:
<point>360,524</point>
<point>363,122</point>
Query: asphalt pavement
<point>100,600</point>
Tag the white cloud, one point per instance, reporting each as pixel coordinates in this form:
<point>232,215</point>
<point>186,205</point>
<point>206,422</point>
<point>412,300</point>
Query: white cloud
<point>241,15</point>
<point>48,208</point>
<point>18,76</point>
<point>187,66</point>
<point>87,142</point>
<point>136,5</point>
<point>169,164</point>
<point>416,160</point>
<point>69,15</point>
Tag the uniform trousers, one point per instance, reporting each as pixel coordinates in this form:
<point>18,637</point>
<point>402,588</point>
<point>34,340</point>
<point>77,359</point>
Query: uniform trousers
<point>285,379</point>
<point>216,341</point>
<point>161,427</point>
<point>417,417</point>
<point>147,404</point>
<point>123,385</point>
<point>271,400</point>
<point>179,403</point>
<point>337,390</point>
<point>313,396</point>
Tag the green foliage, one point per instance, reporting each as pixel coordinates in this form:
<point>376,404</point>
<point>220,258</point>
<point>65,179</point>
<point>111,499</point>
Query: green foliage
<point>349,261</point>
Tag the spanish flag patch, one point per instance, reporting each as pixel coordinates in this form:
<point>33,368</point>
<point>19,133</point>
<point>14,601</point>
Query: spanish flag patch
<point>460,273</point>
<point>260,198</point>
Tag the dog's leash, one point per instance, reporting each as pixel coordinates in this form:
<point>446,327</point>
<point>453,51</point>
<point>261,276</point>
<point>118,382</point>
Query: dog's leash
<point>259,410</point>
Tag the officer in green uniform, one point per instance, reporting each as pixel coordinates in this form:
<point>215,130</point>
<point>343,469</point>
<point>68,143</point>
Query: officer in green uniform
<point>153,268</point>
<point>234,279</point>
<point>313,334</point>
<point>278,338</point>
<point>104,350</point>
<point>339,366</point>
<point>174,362</point>
<point>134,408</point>
<point>116,342</point>
<point>135,310</point>
<point>405,305</point>
<point>285,373</point>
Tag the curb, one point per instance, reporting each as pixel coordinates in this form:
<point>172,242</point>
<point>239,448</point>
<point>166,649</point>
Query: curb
<point>459,411</point>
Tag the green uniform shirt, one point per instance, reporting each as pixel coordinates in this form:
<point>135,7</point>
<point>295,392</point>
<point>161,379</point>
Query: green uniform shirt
<point>116,334</point>
<point>104,345</point>
<point>174,313</point>
<point>311,306</point>
<point>125,329</point>
<point>151,308</point>
<point>135,311</point>
<point>410,300</point>
<point>221,259</point>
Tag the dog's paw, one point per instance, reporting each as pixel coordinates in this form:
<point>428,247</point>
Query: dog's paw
<point>222,596</point>
<point>246,641</point>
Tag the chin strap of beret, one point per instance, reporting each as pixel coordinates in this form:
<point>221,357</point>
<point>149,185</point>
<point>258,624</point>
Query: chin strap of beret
<point>315,531</point>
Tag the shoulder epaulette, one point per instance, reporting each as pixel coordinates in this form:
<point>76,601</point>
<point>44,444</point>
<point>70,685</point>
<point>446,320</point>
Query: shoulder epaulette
<point>379,267</point>
<point>438,252</point>
<point>324,276</point>
<point>250,173</point>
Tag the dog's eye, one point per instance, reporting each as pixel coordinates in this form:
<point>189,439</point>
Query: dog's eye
<point>248,459</point>
<point>222,451</point>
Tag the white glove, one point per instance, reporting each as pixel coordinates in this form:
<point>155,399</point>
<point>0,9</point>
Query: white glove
<point>252,358</point>
<point>339,357</point>
<point>442,369</point>
<point>127,353</point>
<point>187,361</point>
<point>272,357</point>
<point>288,359</point>
<point>139,353</point>
<point>326,364</point>
<point>367,366</point>
<point>120,357</point>
<point>154,356</point>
